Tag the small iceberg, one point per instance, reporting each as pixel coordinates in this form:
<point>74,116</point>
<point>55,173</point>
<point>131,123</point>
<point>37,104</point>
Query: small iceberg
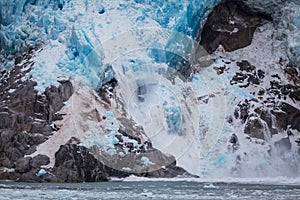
<point>210,186</point>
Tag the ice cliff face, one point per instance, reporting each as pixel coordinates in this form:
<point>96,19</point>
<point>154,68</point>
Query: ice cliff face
<point>29,24</point>
<point>286,16</point>
<point>138,74</point>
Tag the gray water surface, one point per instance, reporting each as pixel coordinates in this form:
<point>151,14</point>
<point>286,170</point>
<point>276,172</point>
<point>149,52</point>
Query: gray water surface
<point>147,190</point>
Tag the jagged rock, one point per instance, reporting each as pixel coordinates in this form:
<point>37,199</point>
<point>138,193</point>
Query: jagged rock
<point>50,177</point>
<point>57,96</point>
<point>233,139</point>
<point>7,120</point>
<point>13,154</point>
<point>6,137</point>
<point>7,175</point>
<point>128,130</point>
<point>23,164</point>
<point>31,150</point>
<point>26,123</point>
<point>293,115</point>
<point>276,117</point>
<point>255,128</point>
<point>247,75</point>
<point>261,74</point>
<point>253,79</point>
<point>160,165</point>
<point>239,77</point>
<point>267,117</point>
<point>293,74</point>
<point>261,92</point>
<point>230,25</point>
<point>295,95</point>
<point>39,160</point>
<point>65,90</point>
<point>30,176</point>
<point>246,66</point>
<point>25,115</point>
<point>37,127</point>
<point>4,161</point>
<point>281,119</point>
<point>242,110</point>
<point>37,138</point>
<point>170,172</point>
<point>220,70</point>
<point>75,164</point>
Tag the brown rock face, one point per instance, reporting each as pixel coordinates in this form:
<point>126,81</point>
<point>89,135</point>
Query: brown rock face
<point>23,165</point>
<point>26,116</point>
<point>229,25</point>
<point>255,128</point>
<point>75,163</point>
<point>292,115</point>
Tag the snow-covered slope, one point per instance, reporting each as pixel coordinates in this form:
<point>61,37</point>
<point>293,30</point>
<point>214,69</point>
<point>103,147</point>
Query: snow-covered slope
<point>184,113</point>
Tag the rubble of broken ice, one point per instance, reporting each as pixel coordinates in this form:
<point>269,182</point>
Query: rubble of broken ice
<point>74,35</point>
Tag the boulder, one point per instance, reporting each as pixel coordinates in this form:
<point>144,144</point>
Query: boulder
<point>255,128</point>
<point>23,165</point>
<point>13,154</point>
<point>242,110</point>
<point>75,164</point>
<point>229,25</point>
<point>57,96</point>
<point>30,176</point>
<point>244,65</point>
<point>7,175</point>
<point>40,160</point>
<point>280,119</point>
<point>293,115</point>
<point>295,95</point>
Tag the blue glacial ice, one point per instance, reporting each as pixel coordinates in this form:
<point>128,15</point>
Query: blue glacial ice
<point>27,23</point>
<point>30,23</point>
<point>79,30</point>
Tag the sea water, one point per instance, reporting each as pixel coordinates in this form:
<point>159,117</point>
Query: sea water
<point>152,189</point>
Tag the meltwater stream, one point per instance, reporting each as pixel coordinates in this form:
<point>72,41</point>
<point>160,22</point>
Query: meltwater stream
<point>149,190</point>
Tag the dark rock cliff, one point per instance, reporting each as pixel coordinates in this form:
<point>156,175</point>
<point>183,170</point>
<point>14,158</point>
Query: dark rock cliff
<point>27,120</point>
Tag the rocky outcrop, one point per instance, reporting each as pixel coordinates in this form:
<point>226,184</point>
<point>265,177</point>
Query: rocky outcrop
<point>23,165</point>
<point>273,108</point>
<point>291,117</point>
<point>255,128</point>
<point>39,160</point>
<point>26,169</point>
<point>77,164</point>
<point>278,115</point>
<point>26,117</point>
<point>229,25</point>
<point>26,120</point>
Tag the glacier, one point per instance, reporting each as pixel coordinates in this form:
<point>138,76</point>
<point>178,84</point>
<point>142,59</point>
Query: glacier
<point>28,24</point>
<point>134,41</point>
